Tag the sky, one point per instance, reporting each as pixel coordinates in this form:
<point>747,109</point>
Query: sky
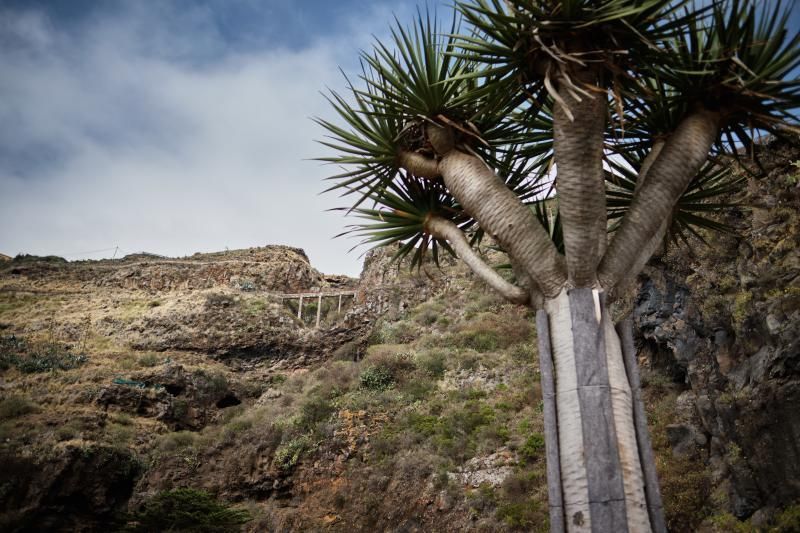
<point>176,126</point>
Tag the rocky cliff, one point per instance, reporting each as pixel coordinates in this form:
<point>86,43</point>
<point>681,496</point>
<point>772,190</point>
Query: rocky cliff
<point>722,322</point>
<point>415,407</point>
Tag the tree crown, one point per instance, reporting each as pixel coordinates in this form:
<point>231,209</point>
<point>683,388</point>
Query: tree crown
<point>493,82</point>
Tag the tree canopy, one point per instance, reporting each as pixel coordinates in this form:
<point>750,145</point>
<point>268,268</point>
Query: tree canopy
<point>498,74</point>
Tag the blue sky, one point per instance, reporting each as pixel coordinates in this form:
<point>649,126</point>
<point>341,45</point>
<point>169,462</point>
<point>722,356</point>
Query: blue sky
<point>174,126</point>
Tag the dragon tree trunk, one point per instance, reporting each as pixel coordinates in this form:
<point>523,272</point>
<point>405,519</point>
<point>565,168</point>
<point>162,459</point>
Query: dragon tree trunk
<point>597,483</point>
<point>596,459</point>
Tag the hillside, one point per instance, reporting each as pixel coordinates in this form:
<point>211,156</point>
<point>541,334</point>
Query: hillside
<point>416,407</point>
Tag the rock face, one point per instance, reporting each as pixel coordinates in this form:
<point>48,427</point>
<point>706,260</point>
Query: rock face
<point>77,489</point>
<point>181,399</point>
<point>271,268</point>
<point>725,324</point>
<point>389,285</point>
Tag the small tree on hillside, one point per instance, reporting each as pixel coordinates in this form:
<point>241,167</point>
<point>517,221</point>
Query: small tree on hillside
<point>453,133</point>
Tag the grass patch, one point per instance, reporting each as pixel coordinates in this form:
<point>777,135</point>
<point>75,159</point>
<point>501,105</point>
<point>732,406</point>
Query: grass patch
<point>15,407</point>
<point>12,301</point>
<point>150,360</point>
<point>31,358</point>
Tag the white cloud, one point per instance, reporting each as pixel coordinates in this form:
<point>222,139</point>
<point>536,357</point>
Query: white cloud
<point>139,145</point>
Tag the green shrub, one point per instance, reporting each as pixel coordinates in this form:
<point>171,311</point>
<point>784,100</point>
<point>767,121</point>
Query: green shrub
<point>433,363</point>
<point>288,455</point>
<point>524,352</point>
<point>417,389</point>
<point>32,358</point>
<point>219,300</point>
<point>519,506</point>
<point>376,378</point>
<point>428,313</point>
<point>422,424</point>
<point>176,440</point>
<point>15,406</point>
<point>186,510</point>
<point>211,386</point>
<point>480,341</point>
<point>313,411</point>
<point>67,432</point>
<point>393,333</point>
<point>533,447</point>
<point>788,521</point>
<point>727,523</point>
<point>149,360</point>
<point>481,302</point>
<point>120,435</point>
<point>238,425</point>
<point>348,351</point>
<point>180,408</point>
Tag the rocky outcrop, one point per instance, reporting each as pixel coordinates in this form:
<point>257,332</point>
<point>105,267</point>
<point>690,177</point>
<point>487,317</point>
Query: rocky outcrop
<point>78,488</point>
<point>180,399</point>
<point>723,322</point>
<point>269,268</point>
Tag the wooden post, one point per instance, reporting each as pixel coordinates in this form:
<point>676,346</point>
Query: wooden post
<point>554,495</point>
<point>603,469</point>
<point>319,308</point>
<point>340,303</point>
<point>655,509</point>
<point>300,308</point>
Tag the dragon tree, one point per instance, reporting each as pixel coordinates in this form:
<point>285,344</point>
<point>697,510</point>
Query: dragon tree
<point>579,135</point>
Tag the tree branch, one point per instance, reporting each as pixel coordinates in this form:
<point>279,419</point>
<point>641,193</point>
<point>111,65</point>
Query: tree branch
<point>419,165</point>
<point>646,252</point>
<point>513,225</point>
<point>578,152</point>
<point>444,229</point>
<point>679,161</point>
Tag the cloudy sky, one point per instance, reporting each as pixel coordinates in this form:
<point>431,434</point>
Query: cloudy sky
<point>173,126</point>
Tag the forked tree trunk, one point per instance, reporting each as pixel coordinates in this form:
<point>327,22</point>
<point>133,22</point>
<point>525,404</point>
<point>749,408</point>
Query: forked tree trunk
<point>602,483</point>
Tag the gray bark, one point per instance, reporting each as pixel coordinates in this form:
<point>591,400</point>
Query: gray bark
<point>498,210</point>
<point>419,165</point>
<point>679,161</point>
<point>644,254</point>
<point>554,496</point>
<point>655,508</point>
<point>444,229</point>
<point>603,468</point>
<point>578,152</point>
<point>601,475</point>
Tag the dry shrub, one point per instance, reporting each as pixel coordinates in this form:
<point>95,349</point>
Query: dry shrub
<point>15,406</point>
<point>506,329</point>
<point>394,359</point>
<point>335,378</point>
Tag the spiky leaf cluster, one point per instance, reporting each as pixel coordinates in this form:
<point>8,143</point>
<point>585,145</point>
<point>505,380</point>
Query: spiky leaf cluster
<point>491,78</point>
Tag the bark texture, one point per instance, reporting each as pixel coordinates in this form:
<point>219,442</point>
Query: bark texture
<point>498,210</point>
<point>681,157</point>
<point>419,165</point>
<point>601,476</point>
<point>578,149</point>
<point>570,431</point>
<point>655,508</point>
<point>624,423</point>
<point>555,498</point>
<point>444,229</point>
<point>644,253</point>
